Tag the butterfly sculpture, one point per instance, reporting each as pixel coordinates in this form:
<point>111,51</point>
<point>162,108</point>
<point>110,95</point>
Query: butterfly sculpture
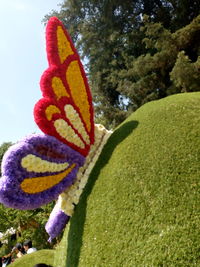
<point>56,164</point>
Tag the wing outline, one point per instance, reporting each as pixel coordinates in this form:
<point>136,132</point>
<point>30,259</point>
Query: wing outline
<point>65,83</point>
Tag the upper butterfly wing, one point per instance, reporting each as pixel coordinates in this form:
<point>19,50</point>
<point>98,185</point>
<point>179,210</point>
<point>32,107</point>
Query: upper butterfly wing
<point>36,170</point>
<point>66,110</point>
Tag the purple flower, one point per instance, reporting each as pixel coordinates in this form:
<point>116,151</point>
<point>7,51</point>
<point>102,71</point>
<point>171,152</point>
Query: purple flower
<point>47,148</point>
<point>56,223</point>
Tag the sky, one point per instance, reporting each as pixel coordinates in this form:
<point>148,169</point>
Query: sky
<point>22,62</point>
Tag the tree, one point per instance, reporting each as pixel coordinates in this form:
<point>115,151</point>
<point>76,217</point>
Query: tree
<point>183,12</point>
<point>107,34</point>
<point>183,65</point>
<point>170,66</point>
<point>28,224</point>
<point>3,149</point>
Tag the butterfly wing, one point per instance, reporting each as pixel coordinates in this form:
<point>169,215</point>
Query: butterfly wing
<point>36,170</point>
<point>66,110</point>
<point>40,167</point>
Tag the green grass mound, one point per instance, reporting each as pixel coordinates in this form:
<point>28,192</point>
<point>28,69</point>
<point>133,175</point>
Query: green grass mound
<point>141,206</point>
<point>41,256</point>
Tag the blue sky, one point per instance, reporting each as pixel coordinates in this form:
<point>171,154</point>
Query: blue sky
<point>22,62</point>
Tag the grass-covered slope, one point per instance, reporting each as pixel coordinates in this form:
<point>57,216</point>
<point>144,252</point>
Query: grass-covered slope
<point>41,256</point>
<point>141,206</point>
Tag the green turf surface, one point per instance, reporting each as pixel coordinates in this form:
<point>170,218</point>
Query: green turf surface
<point>41,256</point>
<point>141,206</point>
<point>60,256</point>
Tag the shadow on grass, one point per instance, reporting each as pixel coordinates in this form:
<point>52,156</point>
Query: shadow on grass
<point>78,219</point>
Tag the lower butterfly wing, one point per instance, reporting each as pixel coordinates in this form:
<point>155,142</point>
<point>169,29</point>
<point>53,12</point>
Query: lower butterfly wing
<point>36,170</point>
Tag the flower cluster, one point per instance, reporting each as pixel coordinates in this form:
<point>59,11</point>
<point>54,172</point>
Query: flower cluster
<point>75,120</point>
<point>80,96</point>
<point>50,111</point>
<point>33,163</point>
<point>40,184</point>
<point>67,200</point>
<point>36,170</point>
<point>71,196</point>
<point>57,221</point>
<point>68,133</point>
<point>64,46</point>
<point>59,88</point>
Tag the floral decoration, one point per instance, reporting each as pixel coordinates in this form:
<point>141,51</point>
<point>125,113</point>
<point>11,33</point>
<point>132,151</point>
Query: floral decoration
<point>70,197</point>
<point>64,84</point>
<point>56,164</point>
<point>57,221</point>
<point>68,133</point>
<point>76,122</point>
<point>48,149</point>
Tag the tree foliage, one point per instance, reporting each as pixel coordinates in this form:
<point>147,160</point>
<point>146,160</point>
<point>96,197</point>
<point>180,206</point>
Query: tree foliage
<point>170,66</point>
<point>126,66</point>
<point>27,224</point>
<point>3,149</point>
